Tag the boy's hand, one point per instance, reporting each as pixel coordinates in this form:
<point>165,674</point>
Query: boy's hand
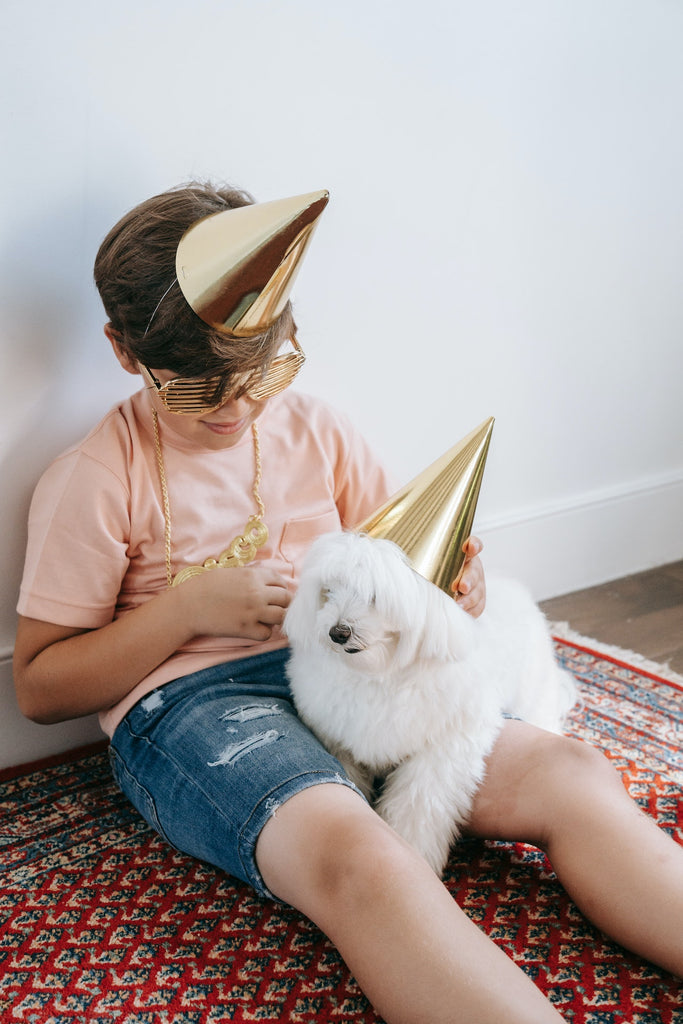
<point>243,602</point>
<point>470,588</point>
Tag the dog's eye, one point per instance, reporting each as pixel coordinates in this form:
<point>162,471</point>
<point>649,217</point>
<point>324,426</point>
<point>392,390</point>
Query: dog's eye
<point>325,595</point>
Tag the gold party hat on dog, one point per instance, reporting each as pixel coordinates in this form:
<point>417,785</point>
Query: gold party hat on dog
<point>431,517</point>
<point>236,268</point>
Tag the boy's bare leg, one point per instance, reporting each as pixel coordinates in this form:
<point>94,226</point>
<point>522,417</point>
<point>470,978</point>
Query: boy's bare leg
<point>414,953</point>
<point>622,871</point>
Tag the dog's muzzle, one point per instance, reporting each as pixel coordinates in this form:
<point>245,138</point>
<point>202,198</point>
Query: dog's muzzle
<point>340,633</point>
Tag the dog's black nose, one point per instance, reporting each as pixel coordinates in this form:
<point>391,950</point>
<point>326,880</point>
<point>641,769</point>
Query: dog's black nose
<point>340,633</point>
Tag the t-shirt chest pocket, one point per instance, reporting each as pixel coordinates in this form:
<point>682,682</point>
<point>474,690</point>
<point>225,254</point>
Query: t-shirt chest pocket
<point>299,534</point>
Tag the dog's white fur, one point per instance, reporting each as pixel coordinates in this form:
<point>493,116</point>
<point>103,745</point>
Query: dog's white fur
<point>414,689</point>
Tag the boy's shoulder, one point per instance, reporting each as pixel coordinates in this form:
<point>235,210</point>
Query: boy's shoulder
<point>110,444</point>
<point>308,428</point>
<point>309,413</point>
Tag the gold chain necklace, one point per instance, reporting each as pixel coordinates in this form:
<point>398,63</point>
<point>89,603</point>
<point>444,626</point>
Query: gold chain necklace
<point>242,549</point>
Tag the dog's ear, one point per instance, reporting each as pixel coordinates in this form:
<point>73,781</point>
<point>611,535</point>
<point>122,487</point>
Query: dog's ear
<point>299,621</point>
<point>325,561</point>
<point>447,632</point>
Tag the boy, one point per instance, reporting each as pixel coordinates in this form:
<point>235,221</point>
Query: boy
<point>137,604</point>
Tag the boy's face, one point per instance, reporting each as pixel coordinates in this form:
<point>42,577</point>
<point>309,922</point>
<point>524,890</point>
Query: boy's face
<point>218,429</point>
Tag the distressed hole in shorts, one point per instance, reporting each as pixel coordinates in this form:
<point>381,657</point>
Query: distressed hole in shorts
<point>248,712</point>
<point>152,702</point>
<point>235,751</point>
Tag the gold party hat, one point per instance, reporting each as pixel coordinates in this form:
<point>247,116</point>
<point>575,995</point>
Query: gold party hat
<point>236,268</point>
<point>431,517</point>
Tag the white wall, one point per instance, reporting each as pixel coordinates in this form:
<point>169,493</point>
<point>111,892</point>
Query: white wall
<point>505,237</point>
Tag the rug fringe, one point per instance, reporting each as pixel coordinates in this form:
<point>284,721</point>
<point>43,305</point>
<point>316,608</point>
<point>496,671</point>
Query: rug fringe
<point>563,631</point>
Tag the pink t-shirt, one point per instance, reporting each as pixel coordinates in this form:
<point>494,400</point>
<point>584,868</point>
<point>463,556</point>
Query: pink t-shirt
<point>96,526</point>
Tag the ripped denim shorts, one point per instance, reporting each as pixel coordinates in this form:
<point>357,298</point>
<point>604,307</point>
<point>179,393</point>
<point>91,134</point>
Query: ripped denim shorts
<point>208,758</point>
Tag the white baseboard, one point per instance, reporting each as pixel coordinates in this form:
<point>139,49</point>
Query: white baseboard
<point>22,741</point>
<point>556,549</point>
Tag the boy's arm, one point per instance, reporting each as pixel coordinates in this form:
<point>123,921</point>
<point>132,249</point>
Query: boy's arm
<point>61,672</point>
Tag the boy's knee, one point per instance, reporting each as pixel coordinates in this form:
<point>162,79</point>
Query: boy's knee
<point>574,780</point>
<point>573,764</point>
<point>327,851</point>
<point>537,783</point>
<point>358,862</point>
<point>562,766</point>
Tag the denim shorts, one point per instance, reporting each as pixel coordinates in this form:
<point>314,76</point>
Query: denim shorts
<point>207,759</point>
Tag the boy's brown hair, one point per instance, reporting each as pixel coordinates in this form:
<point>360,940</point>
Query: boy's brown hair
<point>135,267</point>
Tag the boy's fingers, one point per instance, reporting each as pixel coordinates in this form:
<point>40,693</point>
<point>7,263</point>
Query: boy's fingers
<point>472,547</point>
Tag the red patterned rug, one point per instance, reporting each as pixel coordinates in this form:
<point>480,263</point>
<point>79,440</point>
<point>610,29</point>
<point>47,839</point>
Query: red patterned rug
<point>101,922</point>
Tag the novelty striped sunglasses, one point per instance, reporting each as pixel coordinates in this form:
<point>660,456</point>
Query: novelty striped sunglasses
<point>188,396</point>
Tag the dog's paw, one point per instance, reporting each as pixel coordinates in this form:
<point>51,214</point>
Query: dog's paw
<point>431,838</point>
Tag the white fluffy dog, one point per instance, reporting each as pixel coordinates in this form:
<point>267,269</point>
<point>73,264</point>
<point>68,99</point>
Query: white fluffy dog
<point>397,681</point>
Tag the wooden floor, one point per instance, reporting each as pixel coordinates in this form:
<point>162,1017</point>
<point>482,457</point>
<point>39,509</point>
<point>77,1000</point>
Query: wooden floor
<point>642,613</point>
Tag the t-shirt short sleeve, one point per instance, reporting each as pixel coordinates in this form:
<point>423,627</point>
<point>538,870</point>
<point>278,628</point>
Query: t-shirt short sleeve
<point>363,485</point>
<point>77,552</point>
